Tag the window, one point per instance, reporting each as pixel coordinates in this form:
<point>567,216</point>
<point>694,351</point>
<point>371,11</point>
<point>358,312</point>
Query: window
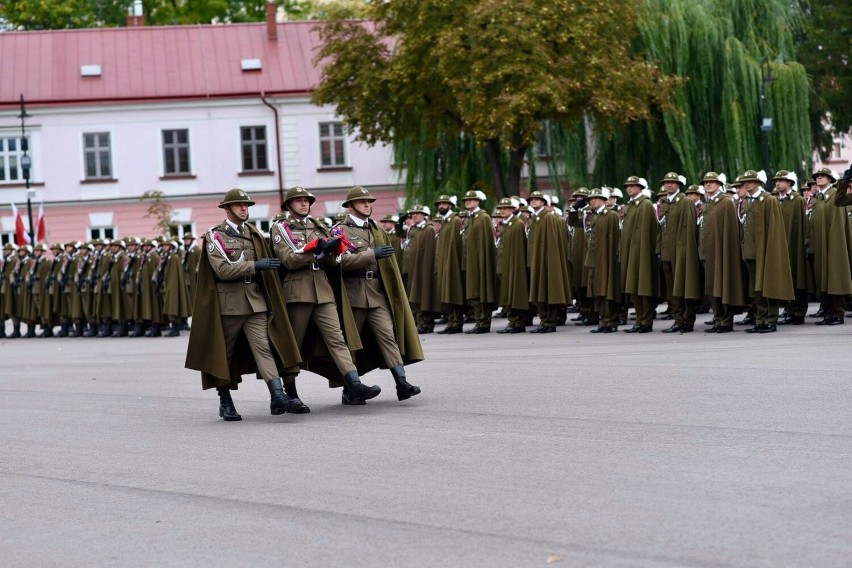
<point>10,160</point>
<point>263,225</point>
<point>6,238</point>
<point>179,231</point>
<point>176,152</point>
<point>837,150</point>
<point>544,140</point>
<point>101,232</point>
<point>332,144</point>
<point>253,140</point>
<point>96,155</point>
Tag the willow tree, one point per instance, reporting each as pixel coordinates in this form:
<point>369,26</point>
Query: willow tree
<point>724,49</point>
<point>484,76</point>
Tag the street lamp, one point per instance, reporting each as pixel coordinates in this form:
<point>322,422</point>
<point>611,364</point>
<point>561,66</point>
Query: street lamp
<point>26,164</point>
<point>766,122</point>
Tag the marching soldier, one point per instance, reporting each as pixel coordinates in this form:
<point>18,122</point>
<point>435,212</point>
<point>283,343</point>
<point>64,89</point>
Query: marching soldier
<point>765,253</point>
<point>550,278</point>
<point>114,291</point>
<point>479,258</point>
<point>241,325</point>
<point>639,274</point>
<point>422,282</point>
<point>831,243</point>
<point>63,268</point>
<point>79,286</point>
<point>149,310</point>
<point>7,265</point>
<point>512,266</point>
<point>377,296</point>
<point>795,224</point>
<point>449,260</point>
<point>602,262</point>
<point>309,254</point>
<point>172,288</point>
<point>39,269</point>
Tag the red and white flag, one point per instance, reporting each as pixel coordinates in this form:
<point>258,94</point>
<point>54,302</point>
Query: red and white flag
<point>21,235</point>
<point>41,227</point>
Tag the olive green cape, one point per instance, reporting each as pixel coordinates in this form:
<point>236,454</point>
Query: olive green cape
<point>422,283</point>
<point>795,225</point>
<point>577,254</point>
<point>680,218</point>
<point>723,264</point>
<point>639,273</point>
<point>831,243</point>
<point>176,296</point>
<point>206,349</point>
<point>773,277</point>
<point>550,276</point>
<point>602,256</point>
<point>449,253</point>
<point>514,283</point>
<point>481,259</point>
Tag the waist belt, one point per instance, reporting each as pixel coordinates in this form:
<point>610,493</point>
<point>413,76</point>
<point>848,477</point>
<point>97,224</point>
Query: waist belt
<point>365,274</point>
<point>244,280</point>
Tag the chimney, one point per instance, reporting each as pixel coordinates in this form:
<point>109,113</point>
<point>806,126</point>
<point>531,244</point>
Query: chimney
<point>271,20</point>
<point>135,16</point>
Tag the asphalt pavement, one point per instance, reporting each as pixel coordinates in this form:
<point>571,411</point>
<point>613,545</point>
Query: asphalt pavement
<point>566,449</point>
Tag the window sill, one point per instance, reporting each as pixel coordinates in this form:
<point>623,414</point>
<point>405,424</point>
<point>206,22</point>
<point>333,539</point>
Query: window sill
<point>176,177</point>
<point>256,173</point>
<point>836,161</point>
<point>99,180</point>
<point>335,169</point>
<point>16,185</point>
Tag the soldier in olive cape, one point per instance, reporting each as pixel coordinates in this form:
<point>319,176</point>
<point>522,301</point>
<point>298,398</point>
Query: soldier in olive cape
<point>174,292</point>
<point>512,261</point>
<point>191,254</point>
<point>723,265</point>
<point>390,225</point>
<point>36,282</point>
<point>831,243</point>
<point>604,283</point>
<point>795,224</point>
<point>8,261</point>
<point>241,323</point>
<point>480,261</point>
<point>449,256</point>
<point>639,274</point>
<point>679,255</point>
<point>149,313</point>
<point>319,313</point>
<point>377,296</point>
<point>577,255</point>
<point>422,281</point>
<point>765,253</point>
<point>79,286</point>
<point>550,276</point>
<point>63,270</point>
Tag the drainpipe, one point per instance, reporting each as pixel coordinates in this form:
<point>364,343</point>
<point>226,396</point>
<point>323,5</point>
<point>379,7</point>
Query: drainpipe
<point>277,147</point>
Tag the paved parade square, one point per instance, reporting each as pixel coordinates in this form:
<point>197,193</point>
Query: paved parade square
<point>565,449</point>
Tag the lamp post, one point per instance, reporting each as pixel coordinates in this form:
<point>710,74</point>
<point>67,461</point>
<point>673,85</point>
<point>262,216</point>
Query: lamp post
<point>26,164</point>
<point>766,122</point>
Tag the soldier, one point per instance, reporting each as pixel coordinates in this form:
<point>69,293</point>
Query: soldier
<point>172,287</point>
<point>309,254</point>
<point>241,325</point>
<point>8,263</point>
<point>422,281</point>
<point>449,260</point>
<point>77,286</point>
<point>389,224</point>
<point>765,253</point>
<point>63,268</point>
<point>639,274</point>
<point>577,255</point>
<point>679,254</point>
<point>795,224</point>
<point>602,261</point>
<point>512,266</point>
<point>190,255</point>
<point>479,258</point>
<point>831,243</point>
<point>550,277</point>
<point>114,293</point>
<point>39,269</point>
<point>148,308</point>
<point>377,296</point>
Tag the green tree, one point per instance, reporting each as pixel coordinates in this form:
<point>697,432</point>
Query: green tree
<point>487,72</point>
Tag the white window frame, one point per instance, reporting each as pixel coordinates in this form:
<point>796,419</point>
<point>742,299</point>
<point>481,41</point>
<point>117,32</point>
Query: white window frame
<point>97,150</point>
<point>256,153</point>
<point>331,138</point>
<point>5,155</point>
<point>178,230</point>
<point>101,230</point>
<point>176,145</point>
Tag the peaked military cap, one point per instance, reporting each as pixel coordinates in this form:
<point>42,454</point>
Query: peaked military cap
<point>236,195</point>
<point>295,192</point>
<point>826,172</point>
<point>673,176</point>
<point>358,193</point>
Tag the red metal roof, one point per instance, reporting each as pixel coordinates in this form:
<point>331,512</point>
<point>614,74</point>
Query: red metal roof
<point>155,63</point>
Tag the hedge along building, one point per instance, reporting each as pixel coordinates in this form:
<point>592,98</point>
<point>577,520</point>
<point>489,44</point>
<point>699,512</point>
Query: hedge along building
<point>186,111</point>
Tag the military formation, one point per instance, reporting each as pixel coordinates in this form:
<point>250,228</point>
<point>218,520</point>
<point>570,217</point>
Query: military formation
<point>754,246</point>
<point>102,288</point>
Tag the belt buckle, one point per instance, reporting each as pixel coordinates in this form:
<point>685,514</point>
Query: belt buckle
<point>247,279</point>
<point>369,275</point>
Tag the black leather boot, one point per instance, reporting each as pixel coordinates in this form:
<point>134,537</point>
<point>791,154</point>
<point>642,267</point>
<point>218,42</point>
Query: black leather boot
<point>115,330</point>
<point>346,400</point>
<point>358,390</point>
<point>64,329</point>
<point>279,403</point>
<point>290,390</point>
<point>2,330</point>
<point>78,329</point>
<point>227,410</point>
<point>403,389</point>
<point>136,330</point>
<point>174,330</point>
<point>92,331</point>
<point>154,331</point>
<point>30,331</point>
<point>104,330</point>
<point>47,330</point>
<point>16,331</point>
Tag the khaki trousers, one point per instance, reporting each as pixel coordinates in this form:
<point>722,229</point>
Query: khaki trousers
<point>255,328</point>
<point>381,324</point>
<point>645,309</point>
<point>325,317</point>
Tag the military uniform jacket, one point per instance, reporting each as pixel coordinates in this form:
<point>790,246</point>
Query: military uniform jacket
<point>766,241</point>
<point>550,276</point>
<point>637,249</point>
<point>679,245</point>
<point>422,280</point>
<point>795,225</point>
<point>304,279</point>
<point>480,258</point>
<point>148,297</point>
<point>206,349</point>
<point>449,253</point>
<point>191,257</point>
<point>363,292</point>
<point>602,256</point>
<point>514,282</point>
<point>10,296</point>
<point>577,254</point>
<point>723,266</point>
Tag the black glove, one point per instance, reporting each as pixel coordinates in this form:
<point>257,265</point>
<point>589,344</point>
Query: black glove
<point>383,251</point>
<point>580,203</point>
<point>847,176</point>
<point>329,246</point>
<point>267,264</point>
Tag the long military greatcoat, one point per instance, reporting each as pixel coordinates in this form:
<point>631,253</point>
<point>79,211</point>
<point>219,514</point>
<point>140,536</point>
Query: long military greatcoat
<point>422,281</point>
<point>175,294</point>
<point>639,273</point>
<point>514,283</point>
<point>795,225</point>
<point>831,243</point>
<point>681,244</point>
<point>773,277</point>
<point>550,276</point>
<point>449,253</point>
<point>602,256</point>
<point>480,258</point>
<point>206,349</point>
<point>577,250</point>
<point>723,265</point>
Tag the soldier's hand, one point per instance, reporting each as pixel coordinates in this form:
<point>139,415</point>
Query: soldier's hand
<point>330,245</point>
<point>383,251</point>
<point>267,264</point>
<point>847,176</point>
